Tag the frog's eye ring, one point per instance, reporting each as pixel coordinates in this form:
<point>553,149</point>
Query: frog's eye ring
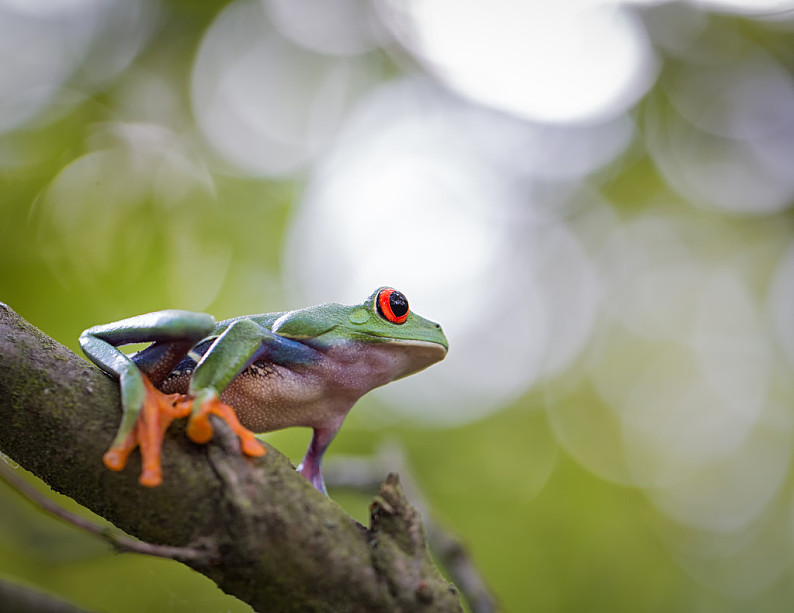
<point>392,305</point>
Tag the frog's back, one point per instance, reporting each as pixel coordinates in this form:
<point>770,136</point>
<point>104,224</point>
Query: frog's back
<point>266,320</point>
<point>162,360</point>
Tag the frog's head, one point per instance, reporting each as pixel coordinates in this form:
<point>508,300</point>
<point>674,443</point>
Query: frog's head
<point>385,314</point>
<point>383,321</point>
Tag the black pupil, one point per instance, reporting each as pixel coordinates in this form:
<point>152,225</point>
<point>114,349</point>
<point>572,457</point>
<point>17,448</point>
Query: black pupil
<point>398,304</point>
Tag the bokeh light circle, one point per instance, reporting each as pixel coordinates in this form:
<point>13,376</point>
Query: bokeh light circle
<point>567,61</point>
<point>264,104</point>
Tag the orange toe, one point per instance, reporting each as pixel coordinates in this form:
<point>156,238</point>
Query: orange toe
<point>252,447</point>
<point>199,427</point>
<point>151,478</point>
<point>115,459</point>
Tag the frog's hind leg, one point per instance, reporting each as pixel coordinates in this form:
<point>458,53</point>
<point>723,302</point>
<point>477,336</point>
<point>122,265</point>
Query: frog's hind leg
<point>146,412</point>
<point>311,465</point>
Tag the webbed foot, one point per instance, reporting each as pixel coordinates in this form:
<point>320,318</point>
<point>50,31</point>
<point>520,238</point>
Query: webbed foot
<point>157,413</point>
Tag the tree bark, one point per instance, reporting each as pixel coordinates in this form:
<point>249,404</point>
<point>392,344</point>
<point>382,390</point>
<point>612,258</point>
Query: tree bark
<point>254,526</point>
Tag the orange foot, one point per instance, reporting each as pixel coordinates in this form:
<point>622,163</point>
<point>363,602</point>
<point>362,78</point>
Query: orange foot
<point>199,428</point>
<point>157,413</point>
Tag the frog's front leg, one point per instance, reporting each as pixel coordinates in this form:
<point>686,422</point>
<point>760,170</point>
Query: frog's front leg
<point>243,342</point>
<point>236,349</point>
<point>146,412</point>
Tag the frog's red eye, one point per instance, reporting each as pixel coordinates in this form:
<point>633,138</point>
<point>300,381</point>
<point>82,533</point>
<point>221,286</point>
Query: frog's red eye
<point>392,305</point>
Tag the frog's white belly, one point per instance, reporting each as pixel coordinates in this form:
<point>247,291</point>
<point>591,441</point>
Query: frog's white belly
<point>269,396</point>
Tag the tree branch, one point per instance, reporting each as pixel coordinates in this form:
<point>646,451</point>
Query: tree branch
<point>270,538</point>
<point>117,539</point>
<point>363,474</point>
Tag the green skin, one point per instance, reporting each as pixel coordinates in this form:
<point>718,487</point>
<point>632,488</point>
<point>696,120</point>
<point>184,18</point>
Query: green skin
<point>297,368</point>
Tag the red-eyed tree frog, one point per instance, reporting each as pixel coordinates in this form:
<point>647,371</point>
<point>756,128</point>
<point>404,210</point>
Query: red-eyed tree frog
<point>296,368</point>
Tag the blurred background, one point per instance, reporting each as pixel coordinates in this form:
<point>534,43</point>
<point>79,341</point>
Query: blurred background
<point>593,198</point>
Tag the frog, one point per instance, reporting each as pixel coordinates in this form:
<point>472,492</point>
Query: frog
<point>257,373</point>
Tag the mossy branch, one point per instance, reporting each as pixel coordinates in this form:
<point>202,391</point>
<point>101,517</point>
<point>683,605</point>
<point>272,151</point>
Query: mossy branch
<point>269,537</point>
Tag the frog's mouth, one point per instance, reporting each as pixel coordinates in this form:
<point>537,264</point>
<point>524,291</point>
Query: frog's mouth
<point>440,347</point>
